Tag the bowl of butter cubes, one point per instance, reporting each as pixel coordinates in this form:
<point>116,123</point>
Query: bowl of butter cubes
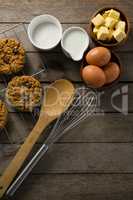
<point>109,27</point>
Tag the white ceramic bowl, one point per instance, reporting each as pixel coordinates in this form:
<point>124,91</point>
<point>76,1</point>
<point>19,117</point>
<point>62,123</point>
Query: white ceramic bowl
<point>74,42</point>
<point>45,32</point>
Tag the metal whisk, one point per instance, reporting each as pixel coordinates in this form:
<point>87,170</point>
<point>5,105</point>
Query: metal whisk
<point>83,106</point>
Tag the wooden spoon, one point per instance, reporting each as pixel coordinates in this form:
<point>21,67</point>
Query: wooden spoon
<point>57,98</point>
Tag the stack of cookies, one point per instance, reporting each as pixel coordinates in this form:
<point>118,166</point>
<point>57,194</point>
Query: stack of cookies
<point>23,92</point>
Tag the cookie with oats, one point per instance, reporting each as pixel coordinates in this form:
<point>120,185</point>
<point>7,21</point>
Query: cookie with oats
<point>12,56</point>
<point>3,114</point>
<point>24,92</point>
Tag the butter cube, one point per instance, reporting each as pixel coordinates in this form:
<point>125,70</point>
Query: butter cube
<point>95,30</point>
<point>98,20</point>
<point>110,22</point>
<point>106,13</point>
<point>119,35</point>
<point>110,35</point>
<point>103,33</point>
<point>115,14</point>
<point>121,25</point>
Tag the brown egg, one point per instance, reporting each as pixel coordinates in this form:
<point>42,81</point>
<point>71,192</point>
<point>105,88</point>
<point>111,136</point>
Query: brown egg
<point>94,76</point>
<point>99,56</point>
<point>112,71</point>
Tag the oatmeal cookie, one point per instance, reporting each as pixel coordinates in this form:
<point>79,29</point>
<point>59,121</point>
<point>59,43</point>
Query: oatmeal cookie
<point>24,92</point>
<point>3,114</point>
<point>12,56</point>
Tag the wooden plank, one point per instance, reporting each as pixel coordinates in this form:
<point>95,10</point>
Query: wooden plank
<point>19,31</point>
<point>127,46</point>
<point>80,158</point>
<point>76,147</point>
<point>99,128</point>
<point>77,187</point>
<point>86,158</point>
<point>67,11</point>
<point>115,99</point>
<point>59,66</point>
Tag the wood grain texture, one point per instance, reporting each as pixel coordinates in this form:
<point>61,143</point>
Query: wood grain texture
<point>77,187</point>
<point>94,160</point>
<point>81,158</point>
<point>26,148</point>
<point>20,34</point>
<point>59,66</point>
<point>110,127</point>
<point>67,11</point>
<point>108,100</point>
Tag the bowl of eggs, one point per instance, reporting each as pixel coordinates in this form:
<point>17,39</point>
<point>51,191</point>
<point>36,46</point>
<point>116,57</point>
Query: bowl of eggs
<point>100,68</point>
<point>109,27</point>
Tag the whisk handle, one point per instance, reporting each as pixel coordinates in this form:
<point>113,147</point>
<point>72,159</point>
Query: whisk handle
<point>26,171</point>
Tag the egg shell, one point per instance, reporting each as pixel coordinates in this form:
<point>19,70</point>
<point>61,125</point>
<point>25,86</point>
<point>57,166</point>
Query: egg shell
<point>112,71</point>
<point>93,76</point>
<point>99,56</point>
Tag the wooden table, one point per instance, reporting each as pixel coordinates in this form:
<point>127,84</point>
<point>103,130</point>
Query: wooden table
<point>95,160</point>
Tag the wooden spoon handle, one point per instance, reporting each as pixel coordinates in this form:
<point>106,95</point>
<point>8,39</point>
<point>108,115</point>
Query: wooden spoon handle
<point>22,154</point>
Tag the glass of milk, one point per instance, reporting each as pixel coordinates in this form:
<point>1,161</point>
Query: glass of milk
<point>45,32</point>
<point>75,41</point>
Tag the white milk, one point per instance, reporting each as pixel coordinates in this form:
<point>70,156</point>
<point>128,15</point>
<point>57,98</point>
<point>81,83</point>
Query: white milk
<point>46,35</point>
<point>75,42</point>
